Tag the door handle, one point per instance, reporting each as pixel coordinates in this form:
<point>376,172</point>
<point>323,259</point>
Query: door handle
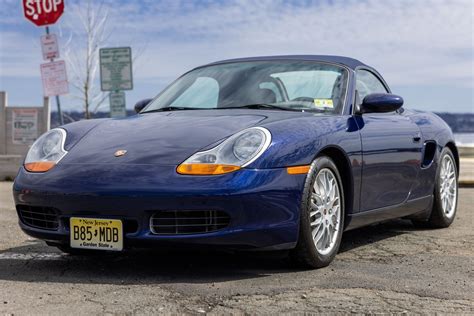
<point>417,138</point>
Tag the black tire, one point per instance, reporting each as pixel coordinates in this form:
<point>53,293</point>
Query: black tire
<point>438,217</point>
<point>305,254</point>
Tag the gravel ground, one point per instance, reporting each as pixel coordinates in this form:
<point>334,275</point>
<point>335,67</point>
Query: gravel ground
<point>387,268</point>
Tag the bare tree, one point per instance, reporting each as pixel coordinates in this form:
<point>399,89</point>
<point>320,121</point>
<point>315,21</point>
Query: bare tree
<point>86,32</point>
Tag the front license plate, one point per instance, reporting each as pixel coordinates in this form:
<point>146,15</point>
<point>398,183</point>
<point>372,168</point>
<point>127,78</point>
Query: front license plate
<point>95,233</point>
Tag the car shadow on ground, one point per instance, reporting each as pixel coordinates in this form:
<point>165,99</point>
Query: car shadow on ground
<point>36,262</point>
<point>356,238</point>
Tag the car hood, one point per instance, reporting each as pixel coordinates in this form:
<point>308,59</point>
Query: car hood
<point>166,138</point>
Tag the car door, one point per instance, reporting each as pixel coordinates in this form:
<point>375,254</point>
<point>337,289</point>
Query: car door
<point>391,149</point>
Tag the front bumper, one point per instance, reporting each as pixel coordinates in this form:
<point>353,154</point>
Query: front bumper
<point>263,205</point>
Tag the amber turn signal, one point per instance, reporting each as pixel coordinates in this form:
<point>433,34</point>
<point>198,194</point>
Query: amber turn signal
<point>41,166</point>
<point>205,169</point>
<point>298,169</point>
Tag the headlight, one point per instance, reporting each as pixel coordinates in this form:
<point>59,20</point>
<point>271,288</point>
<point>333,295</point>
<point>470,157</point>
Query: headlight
<point>46,151</point>
<point>236,152</point>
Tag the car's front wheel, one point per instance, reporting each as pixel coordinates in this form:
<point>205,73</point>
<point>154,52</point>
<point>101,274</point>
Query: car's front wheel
<point>322,215</point>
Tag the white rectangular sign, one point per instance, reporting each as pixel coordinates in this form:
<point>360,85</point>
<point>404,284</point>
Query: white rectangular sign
<point>49,46</point>
<point>25,126</point>
<point>116,69</point>
<point>117,104</point>
<point>54,78</point>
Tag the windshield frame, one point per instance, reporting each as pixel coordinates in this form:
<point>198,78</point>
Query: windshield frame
<point>342,66</point>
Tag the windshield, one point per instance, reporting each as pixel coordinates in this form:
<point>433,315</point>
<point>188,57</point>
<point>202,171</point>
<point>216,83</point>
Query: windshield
<point>288,85</point>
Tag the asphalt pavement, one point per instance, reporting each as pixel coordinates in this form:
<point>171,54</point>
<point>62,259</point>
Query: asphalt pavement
<point>386,268</point>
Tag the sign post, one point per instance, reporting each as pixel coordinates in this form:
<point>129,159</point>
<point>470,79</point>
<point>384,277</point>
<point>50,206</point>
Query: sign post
<point>25,126</point>
<point>49,46</point>
<point>116,69</point>
<point>58,103</point>
<point>117,104</point>
<point>44,13</point>
<point>54,78</point>
<point>116,76</point>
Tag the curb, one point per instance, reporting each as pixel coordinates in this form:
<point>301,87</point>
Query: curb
<point>466,184</point>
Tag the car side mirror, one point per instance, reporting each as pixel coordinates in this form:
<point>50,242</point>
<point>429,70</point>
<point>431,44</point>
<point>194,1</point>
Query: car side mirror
<point>140,105</point>
<point>380,103</point>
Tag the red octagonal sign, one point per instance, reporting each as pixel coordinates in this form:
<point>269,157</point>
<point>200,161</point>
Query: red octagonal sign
<point>43,12</point>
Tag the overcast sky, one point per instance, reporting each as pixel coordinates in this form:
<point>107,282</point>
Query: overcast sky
<point>424,49</point>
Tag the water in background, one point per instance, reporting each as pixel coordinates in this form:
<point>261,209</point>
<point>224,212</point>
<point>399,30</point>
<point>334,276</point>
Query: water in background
<point>464,139</point>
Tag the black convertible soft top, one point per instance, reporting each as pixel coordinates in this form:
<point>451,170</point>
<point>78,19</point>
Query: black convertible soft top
<point>346,61</point>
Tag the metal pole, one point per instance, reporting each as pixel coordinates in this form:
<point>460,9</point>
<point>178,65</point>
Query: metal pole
<point>58,103</point>
<point>60,113</point>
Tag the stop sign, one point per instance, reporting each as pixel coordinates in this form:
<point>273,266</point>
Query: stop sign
<point>43,12</point>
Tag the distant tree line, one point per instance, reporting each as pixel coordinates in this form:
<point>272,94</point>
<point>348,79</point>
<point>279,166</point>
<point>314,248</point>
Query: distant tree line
<point>459,122</point>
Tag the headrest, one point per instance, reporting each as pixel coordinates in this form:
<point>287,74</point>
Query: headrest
<point>262,96</point>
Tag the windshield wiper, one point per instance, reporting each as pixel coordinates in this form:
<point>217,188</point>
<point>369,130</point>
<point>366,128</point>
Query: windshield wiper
<point>259,106</point>
<point>171,108</point>
<point>246,106</point>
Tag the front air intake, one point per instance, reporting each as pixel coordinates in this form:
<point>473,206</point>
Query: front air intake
<point>39,217</point>
<point>188,222</point>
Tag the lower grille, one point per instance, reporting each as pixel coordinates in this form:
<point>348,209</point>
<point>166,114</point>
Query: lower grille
<point>188,222</point>
<point>39,217</point>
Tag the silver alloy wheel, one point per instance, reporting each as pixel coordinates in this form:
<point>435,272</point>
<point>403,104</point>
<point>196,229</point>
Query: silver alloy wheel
<point>325,211</point>
<point>447,186</point>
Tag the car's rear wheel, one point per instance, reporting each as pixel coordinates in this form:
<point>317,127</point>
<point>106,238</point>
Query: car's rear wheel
<point>322,215</point>
<point>445,193</point>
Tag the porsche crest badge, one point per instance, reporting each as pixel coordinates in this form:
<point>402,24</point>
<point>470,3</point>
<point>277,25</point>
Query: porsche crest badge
<point>120,153</point>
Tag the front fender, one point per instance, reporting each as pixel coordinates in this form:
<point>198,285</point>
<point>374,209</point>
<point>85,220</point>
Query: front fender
<point>433,128</point>
<point>298,141</point>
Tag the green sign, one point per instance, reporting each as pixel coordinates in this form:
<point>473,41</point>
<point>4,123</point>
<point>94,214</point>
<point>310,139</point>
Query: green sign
<point>117,104</point>
<point>116,69</point>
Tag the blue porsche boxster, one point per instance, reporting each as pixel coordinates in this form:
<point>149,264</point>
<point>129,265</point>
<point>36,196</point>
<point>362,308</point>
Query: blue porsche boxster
<point>265,153</point>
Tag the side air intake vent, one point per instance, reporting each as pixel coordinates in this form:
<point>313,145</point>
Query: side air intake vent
<point>429,151</point>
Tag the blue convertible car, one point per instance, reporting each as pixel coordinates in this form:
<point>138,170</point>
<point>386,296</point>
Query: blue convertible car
<point>265,153</point>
